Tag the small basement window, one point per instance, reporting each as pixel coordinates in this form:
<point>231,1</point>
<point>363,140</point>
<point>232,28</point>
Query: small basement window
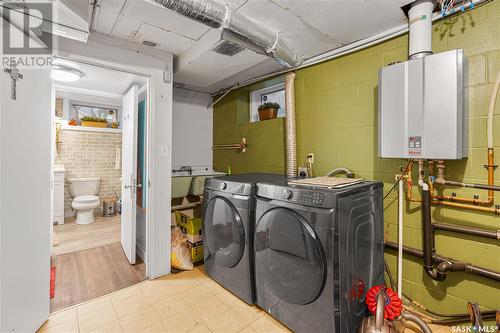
<point>81,111</point>
<point>273,94</point>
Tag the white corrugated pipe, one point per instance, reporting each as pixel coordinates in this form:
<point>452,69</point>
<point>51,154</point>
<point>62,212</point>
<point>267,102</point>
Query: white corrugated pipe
<point>291,133</point>
<point>235,28</point>
<point>491,111</point>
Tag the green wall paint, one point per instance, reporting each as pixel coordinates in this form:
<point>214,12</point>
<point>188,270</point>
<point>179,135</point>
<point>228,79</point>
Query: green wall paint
<point>336,106</point>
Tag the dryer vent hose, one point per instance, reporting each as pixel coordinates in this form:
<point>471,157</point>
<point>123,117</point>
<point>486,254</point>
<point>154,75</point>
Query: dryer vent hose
<point>291,133</point>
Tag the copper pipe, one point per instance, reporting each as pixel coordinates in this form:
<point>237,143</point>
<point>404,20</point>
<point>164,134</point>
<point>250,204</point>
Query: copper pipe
<point>466,206</point>
<point>430,163</point>
<point>242,146</point>
<point>491,174</point>
<point>441,203</point>
<point>441,179</point>
<point>441,170</point>
<point>453,201</point>
<point>452,198</point>
<point>409,181</point>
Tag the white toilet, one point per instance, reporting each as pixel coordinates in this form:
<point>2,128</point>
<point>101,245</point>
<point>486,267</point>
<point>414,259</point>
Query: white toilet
<point>85,200</point>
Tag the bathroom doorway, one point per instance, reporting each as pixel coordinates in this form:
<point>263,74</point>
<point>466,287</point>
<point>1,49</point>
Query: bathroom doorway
<point>100,177</point>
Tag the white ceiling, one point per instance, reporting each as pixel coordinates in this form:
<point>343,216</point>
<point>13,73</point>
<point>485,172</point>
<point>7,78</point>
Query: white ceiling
<point>309,27</point>
<point>105,81</point>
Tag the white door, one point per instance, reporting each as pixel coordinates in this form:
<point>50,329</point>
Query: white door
<point>25,180</point>
<point>129,172</point>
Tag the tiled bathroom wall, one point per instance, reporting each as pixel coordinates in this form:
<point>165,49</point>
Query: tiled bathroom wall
<point>90,154</point>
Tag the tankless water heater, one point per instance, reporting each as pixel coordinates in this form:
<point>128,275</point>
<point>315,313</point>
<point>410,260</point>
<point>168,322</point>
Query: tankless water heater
<point>423,107</point>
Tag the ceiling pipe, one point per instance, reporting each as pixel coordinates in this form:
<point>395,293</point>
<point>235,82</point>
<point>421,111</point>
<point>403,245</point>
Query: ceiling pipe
<point>420,26</point>
<point>235,28</point>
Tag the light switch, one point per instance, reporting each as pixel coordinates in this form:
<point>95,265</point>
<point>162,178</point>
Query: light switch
<point>164,151</point>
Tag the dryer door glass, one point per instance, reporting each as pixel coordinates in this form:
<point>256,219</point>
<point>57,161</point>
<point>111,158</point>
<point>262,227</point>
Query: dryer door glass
<point>224,232</point>
<point>291,255</point>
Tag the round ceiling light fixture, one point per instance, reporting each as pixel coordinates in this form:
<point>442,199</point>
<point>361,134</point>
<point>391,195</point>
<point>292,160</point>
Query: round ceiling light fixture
<point>65,74</point>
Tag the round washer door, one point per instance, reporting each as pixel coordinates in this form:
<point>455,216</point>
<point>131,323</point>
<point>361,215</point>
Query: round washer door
<point>290,256</point>
<point>224,232</point>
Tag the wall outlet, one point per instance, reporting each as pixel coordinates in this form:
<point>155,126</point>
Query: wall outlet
<point>302,172</point>
<point>310,158</point>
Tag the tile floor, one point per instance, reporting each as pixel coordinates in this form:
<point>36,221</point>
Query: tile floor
<point>184,302</point>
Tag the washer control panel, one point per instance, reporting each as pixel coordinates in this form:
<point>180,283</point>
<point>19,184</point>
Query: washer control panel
<point>301,196</point>
<point>311,198</point>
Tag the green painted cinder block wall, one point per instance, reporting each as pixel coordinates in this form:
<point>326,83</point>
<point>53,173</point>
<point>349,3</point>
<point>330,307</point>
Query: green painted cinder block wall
<point>336,105</point>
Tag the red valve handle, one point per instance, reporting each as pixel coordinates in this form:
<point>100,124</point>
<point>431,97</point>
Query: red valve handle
<point>393,304</point>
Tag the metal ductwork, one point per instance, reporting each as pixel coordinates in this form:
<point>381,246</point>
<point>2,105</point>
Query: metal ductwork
<point>235,28</point>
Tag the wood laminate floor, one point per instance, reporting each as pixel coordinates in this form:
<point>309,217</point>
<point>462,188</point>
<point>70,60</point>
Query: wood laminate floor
<point>91,273</point>
<point>72,237</point>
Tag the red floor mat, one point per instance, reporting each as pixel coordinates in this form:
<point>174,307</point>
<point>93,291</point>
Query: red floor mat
<point>52,281</point>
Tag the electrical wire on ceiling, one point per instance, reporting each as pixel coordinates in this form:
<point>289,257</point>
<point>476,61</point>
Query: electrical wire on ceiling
<point>449,7</point>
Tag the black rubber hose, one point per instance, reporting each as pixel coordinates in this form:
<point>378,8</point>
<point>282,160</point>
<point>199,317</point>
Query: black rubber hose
<point>428,239</point>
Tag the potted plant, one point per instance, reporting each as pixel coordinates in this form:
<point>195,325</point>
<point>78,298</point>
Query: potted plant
<point>268,110</point>
<point>94,122</point>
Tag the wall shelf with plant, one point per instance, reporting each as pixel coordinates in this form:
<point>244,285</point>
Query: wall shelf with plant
<point>89,121</point>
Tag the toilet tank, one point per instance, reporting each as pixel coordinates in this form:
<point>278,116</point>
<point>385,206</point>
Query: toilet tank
<point>83,186</point>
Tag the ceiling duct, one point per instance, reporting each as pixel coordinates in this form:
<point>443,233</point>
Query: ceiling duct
<point>227,48</point>
<point>235,28</point>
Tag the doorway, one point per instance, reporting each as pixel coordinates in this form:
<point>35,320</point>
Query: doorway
<point>100,151</point>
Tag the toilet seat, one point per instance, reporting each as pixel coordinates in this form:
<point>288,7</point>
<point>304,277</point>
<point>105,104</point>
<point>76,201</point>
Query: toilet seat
<point>85,205</point>
<point>86,199</point>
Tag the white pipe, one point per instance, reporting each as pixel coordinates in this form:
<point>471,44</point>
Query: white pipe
<point>491,111</point>
<point>421,181</point>
<point>400,240</point>
<point>420,22</point>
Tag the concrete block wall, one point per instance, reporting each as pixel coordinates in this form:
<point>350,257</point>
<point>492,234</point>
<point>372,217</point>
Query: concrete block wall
<point>90,154</point>
<point>336,104</point>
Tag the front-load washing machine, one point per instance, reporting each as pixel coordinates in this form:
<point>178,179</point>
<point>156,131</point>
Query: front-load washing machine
<point>228,220</point>
<point>317,252</point>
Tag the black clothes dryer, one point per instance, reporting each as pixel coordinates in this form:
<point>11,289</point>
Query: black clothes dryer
<point>317,252</point>
<point>228,220</point>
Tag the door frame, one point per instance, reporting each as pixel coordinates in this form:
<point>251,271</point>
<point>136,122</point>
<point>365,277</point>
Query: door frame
<point>158,222</point>
<point>61,87</point>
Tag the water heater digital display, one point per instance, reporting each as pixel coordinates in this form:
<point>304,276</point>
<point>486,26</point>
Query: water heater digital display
<point>423,107</point>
